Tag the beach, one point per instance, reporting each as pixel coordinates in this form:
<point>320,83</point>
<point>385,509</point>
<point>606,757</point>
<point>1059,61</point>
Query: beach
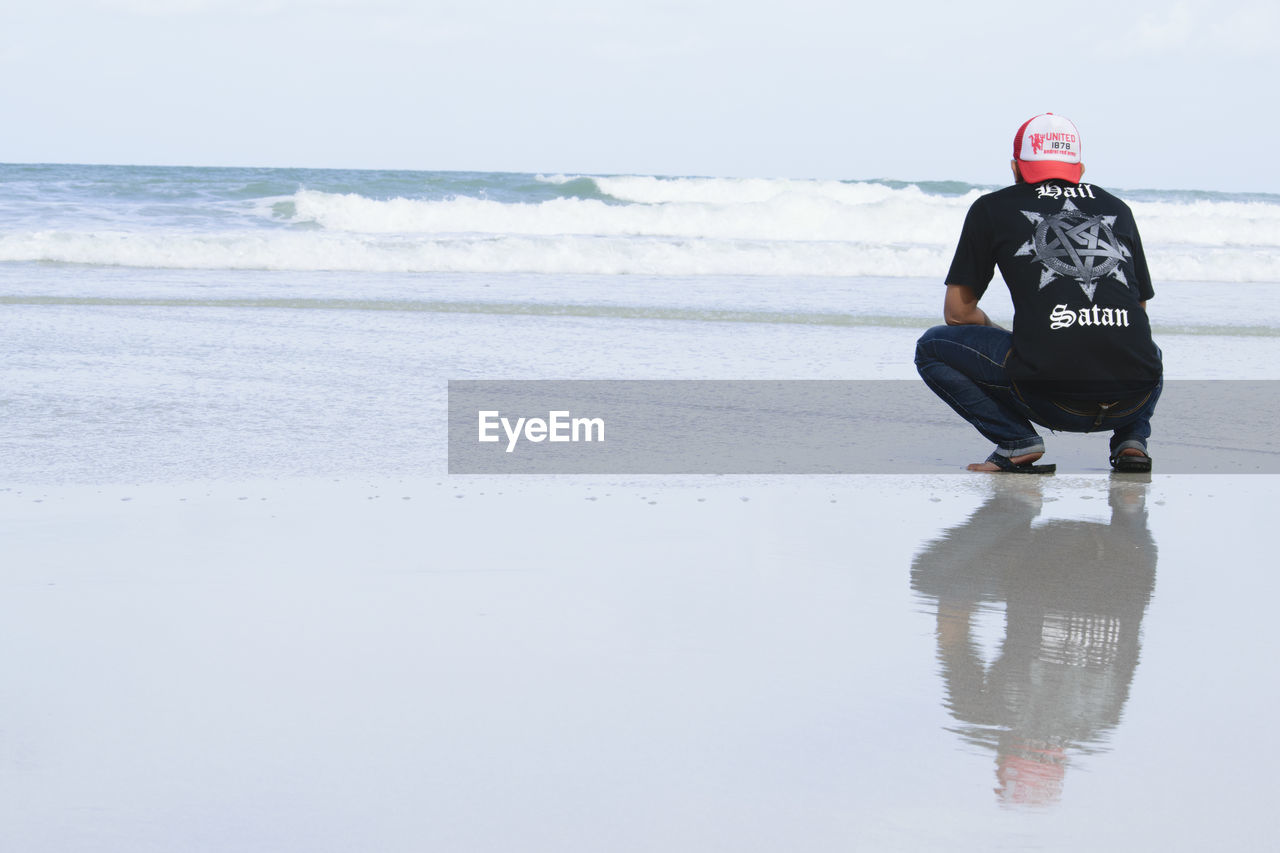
<point>485,664</point>
<point>247,607</point>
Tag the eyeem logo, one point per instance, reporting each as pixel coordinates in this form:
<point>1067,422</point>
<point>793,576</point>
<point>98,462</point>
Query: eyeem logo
<point>557,427</point>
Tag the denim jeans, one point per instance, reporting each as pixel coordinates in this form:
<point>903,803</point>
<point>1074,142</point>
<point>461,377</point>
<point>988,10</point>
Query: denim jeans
<point>965,366</point>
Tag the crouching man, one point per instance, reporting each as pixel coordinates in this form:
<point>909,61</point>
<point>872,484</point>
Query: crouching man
<point>1080,357</point>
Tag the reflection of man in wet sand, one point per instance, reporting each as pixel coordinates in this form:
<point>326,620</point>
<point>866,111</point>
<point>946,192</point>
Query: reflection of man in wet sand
<point>1074,593</point>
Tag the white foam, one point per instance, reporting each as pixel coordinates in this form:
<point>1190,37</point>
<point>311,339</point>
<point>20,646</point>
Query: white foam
<point>644,225</point>
<point>1210,223</point>
<point>569,254</point>
<point>895,217</point>
<point>651,190</point>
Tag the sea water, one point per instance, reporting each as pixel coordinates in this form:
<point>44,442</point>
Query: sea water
<point>212,656</point>
<point>434,222</point>
<point>165,322</point>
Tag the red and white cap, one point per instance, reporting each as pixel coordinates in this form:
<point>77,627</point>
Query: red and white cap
<point>1048,146</point>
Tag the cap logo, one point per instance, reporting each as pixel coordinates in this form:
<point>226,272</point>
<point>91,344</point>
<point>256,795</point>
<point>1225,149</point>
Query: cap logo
<point>1056,143</point>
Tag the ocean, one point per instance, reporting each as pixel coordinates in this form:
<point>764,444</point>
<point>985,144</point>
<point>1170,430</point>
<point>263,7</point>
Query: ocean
<point>248,608</point>
<point>164,322</point>
<point>465,222</point>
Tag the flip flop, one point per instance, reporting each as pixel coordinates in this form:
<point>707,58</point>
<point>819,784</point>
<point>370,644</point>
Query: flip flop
<point>1129,463</point>
<point>1006,466</point>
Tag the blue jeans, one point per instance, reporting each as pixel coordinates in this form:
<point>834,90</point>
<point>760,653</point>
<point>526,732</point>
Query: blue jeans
<point>965,366</point>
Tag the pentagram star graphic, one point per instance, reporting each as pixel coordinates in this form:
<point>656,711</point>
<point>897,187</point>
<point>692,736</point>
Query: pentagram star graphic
<point>1073,244</point>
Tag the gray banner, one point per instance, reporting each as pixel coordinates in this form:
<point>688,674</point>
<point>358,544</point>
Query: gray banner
<point>813,427</point>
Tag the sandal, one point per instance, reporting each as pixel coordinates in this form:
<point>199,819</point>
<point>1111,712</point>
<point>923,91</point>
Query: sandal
<point>1007,466</point>
<point>1131,463</point>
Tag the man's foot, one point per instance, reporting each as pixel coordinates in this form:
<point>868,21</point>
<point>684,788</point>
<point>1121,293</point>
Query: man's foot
<point>1131,459</point>
<point>1014,461</point>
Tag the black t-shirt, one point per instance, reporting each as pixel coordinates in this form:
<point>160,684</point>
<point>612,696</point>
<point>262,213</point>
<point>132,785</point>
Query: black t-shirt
<point>1073,261</point>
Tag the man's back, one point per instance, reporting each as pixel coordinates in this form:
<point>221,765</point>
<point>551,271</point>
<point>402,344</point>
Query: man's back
<point>1073,260</point>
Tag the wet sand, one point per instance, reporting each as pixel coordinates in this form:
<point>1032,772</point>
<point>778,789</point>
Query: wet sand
<point>218,660</point>
<point>958,662</point>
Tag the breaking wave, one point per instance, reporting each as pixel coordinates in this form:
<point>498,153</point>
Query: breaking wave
<point>574,224</point>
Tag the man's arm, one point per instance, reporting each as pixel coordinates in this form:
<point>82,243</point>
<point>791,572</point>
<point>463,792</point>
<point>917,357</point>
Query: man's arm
<point>960,308</point>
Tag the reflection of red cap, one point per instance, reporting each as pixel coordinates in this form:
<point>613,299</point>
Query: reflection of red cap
<point>1031,777</point>
<point>1048,146</point>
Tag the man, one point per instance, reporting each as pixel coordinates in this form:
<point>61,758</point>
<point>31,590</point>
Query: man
<point>1080,357</point>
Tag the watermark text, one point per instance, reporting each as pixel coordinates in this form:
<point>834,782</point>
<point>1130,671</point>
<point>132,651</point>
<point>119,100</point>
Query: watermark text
<point>558,426</point>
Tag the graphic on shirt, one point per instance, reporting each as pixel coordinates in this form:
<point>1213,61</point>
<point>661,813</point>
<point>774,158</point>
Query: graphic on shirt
<point>1076,245</point>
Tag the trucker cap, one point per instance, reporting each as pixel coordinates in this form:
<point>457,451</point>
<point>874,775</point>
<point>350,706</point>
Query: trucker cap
<point>1048,146</point>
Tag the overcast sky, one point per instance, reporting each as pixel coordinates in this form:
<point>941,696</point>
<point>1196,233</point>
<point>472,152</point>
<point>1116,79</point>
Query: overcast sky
<point>1166,95</point>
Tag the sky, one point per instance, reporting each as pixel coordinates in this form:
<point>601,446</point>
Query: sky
<point>1166,95</point>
